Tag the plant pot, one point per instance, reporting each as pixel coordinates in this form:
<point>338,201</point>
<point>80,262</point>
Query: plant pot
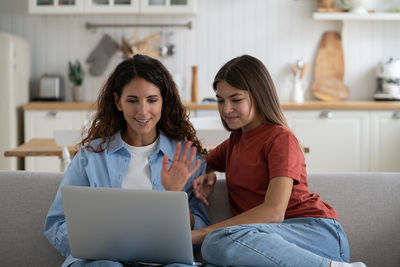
<point>325,3</point>
<point>78,93</point>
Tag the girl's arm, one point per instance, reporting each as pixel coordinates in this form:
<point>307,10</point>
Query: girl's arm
<point>203,186</point>
<point>272,210</point>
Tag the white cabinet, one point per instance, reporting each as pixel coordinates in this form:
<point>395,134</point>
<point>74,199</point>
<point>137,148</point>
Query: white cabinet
<point>42,124</point>
<point>55,6</point>
<point>168,6</point>
<point>338,140</point>
<point>112,6</point>
<point>385,141</point>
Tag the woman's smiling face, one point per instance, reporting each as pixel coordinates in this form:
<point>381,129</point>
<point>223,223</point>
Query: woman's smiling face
<point>141,105</point>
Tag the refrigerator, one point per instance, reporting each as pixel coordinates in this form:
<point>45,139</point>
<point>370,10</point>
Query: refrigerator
<point>14,93</point>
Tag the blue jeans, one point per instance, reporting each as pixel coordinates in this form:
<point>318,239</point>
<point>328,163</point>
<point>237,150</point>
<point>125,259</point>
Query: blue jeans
<point>294,242</point>
<point>109,263</point>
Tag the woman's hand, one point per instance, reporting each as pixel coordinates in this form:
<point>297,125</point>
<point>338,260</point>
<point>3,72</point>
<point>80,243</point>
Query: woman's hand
<point>179,172</point>
<point>198,236</point>
<point>203,186</point>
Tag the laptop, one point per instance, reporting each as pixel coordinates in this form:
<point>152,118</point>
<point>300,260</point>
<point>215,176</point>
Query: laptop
<point>128,225</point>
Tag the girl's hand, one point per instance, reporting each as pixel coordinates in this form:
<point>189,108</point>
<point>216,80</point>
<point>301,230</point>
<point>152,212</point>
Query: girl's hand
<point>203,186</point>
<point>198,236</point>
<point>176,177</point>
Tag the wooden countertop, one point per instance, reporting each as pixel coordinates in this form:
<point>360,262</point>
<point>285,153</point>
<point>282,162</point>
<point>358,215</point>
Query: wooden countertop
<point>39,147</point>
<point>308,105</point>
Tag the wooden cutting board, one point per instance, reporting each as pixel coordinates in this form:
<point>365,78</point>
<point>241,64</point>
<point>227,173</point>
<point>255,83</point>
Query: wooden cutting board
<point>330,60</point>
<point>329,69</point>
<point>330,89</point>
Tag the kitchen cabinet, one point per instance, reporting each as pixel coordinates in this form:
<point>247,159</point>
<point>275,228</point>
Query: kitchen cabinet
<point>168,6</point>
<point>111,6</point>
<point>54,7</point>
<point>342,136</point>
<point>385,141</point>
<point>42,124</point>
<point>338,140</point>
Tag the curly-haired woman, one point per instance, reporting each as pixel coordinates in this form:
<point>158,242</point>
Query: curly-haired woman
<point>134,142</point>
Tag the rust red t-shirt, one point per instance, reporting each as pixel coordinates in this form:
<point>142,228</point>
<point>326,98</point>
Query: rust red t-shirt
<point>251,159</point>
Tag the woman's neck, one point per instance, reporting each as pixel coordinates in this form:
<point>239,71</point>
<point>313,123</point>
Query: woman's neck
<point>139,140</point>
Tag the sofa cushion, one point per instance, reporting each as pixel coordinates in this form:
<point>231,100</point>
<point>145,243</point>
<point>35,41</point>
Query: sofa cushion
<point>25,198</point>
<point>368,207</point>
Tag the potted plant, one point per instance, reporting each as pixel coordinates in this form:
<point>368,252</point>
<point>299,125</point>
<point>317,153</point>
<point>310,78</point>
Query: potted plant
<point>76,75</point>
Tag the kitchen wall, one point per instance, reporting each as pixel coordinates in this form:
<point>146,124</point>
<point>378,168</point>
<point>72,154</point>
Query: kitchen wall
<point>277,32</point>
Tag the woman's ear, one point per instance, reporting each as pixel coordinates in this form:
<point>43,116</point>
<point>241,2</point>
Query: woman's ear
<point>117,101</point>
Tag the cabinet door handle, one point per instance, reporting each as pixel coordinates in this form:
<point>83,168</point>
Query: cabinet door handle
<point>396,114</point>
<point>53,114</point>
<point>326,114</point>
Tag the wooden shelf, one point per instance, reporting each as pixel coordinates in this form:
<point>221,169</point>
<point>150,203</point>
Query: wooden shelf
<point>354,16</point>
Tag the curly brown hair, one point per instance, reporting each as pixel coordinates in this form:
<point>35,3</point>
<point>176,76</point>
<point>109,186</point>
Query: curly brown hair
<point>174,121</point>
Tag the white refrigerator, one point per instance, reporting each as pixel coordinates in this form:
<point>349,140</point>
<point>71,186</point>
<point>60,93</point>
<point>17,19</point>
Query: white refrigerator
<point>14,93</point>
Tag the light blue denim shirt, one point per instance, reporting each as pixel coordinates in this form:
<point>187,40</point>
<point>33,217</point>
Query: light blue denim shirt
<point>107,169</point>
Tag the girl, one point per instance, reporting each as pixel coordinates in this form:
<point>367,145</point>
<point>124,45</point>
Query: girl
<point>139,122</point>
<point>278,222</point>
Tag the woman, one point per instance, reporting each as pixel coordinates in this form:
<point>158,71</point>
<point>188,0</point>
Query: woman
<point>277,221</point>
<point>131,143</point>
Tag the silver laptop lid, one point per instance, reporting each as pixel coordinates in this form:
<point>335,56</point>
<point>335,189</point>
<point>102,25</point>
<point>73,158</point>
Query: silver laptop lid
<point>128,225</point>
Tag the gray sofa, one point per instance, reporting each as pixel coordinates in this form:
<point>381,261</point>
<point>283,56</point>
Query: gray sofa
<point>368,205</point>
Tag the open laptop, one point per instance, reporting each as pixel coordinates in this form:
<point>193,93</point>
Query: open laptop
<point>128,225</point>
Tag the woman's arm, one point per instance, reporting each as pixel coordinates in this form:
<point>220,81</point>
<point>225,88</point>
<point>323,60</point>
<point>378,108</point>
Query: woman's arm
<point>55,227</point>
<point>175,178</point>
<point>270,211</point>
<point>185,165</point>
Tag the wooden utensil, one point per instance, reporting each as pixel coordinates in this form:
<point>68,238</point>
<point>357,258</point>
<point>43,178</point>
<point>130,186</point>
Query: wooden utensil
<point>195,85</point>
<point>304,70</point>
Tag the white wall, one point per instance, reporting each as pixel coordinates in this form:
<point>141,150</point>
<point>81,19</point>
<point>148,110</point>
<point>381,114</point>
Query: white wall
<point>277,32</point>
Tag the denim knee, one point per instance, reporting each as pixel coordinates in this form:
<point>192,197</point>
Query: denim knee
<point>96,263</point>
<point>221,246</point>
<point>214,246</point>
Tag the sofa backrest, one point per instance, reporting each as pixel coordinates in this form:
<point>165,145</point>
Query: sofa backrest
<point>25,198</point>
<point>368,207</point>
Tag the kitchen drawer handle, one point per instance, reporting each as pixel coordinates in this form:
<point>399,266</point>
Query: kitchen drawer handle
<point>53,114</point>
<point>326,114</point>
<point>396,114</point>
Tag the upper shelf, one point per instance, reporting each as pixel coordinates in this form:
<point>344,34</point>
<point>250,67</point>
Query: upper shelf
<point>353,16</point>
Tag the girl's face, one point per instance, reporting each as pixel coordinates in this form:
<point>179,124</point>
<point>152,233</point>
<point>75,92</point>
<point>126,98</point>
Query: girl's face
<point>237,108</point>
<point>141,105</point>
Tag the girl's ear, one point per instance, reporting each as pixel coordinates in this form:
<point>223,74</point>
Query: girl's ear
<point>117,101</point>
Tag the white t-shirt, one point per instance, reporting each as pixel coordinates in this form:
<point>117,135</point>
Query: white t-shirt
<point>138,173</point>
